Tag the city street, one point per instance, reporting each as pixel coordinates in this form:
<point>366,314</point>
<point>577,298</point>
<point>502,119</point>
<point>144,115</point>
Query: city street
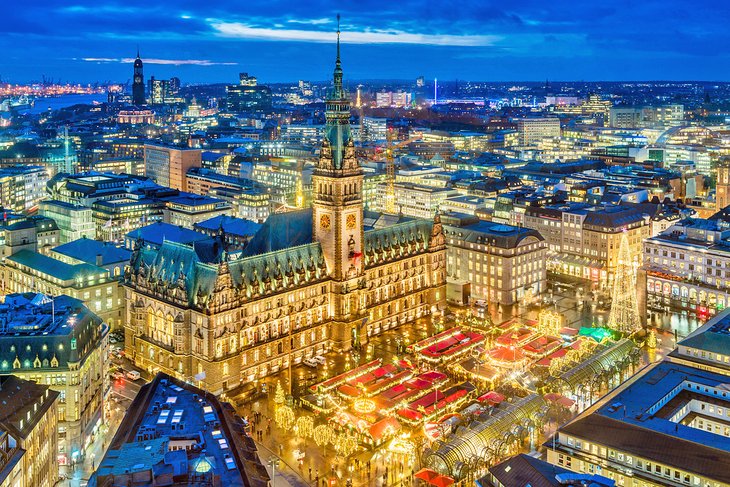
<point>123,392</point>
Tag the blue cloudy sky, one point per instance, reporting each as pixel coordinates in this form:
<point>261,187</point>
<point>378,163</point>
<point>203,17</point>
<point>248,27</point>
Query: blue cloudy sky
<point>277,40</point>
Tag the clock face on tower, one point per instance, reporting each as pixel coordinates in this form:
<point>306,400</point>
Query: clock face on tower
<point>351,221</point>
<point>324,222</point>
<point>137,79</point>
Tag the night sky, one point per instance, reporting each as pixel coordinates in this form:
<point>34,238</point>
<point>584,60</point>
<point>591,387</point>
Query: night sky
<point>276,40</point>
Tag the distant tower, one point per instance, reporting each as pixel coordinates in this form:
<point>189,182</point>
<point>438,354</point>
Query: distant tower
<point>337,215</point>
<point>722,190</point>
<point>624,316</point>
<point>435,91</point>
<point>390,174</point>
<point>138,82</point>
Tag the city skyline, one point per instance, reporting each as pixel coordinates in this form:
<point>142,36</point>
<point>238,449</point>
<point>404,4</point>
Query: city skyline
<point>336,281</point>
<point>280,42</point>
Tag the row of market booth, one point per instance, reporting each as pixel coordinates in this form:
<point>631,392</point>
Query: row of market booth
<point>375,400</point>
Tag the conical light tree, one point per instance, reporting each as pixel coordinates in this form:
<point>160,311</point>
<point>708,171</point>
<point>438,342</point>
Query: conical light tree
<point>624,316</point>
<point>279,397</point>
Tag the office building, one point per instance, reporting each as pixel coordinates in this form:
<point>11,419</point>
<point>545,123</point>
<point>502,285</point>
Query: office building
<point>28,433</point>
<point>722,188</point>
<point>305,88</point>
<point>688,267</point>
<point>248,95</point>
<point>665,426</point>
<point>22,187</point>
<point>415,200</point>
<point>201,181</point>
<point>159,90</point>
<point>34,233</point>
<point>176,434</point>
<point>584,240</point>
<point>168,166</point>
<point>533,130</point>
<point>502,263</point>
<point>375,129</point>
<point>284,180</point>
<point>59,343</point>
<point>397,99</point>
<point>28,271</point>
<point>188,209</point>
<point>73,221</point>
<point>249,204</point>
<point>625,117</point>
<point>663,116</point>
<point>303,134</point>
<point>299,288</point>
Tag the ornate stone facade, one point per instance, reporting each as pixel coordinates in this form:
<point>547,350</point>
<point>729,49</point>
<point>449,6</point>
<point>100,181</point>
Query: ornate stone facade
<point>308,282</point>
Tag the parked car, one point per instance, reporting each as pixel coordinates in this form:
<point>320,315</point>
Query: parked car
<point>117,374</point>
<point>133,375</point>
<point>310,363</point>
<point>319,359</point>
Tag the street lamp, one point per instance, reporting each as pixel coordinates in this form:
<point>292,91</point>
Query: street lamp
<point>273,463</point>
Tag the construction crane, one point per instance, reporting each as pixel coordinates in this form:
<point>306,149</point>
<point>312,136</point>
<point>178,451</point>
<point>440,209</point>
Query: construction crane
<point>390,174</point>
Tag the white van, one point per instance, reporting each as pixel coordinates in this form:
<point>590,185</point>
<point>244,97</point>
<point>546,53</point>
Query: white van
<point>133,375</point>
<point>310,363</point>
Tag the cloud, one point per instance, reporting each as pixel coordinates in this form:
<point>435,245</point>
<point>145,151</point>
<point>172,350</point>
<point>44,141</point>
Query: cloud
<point>173,62</point>
<point>322,21</point>
<point>239,30</point>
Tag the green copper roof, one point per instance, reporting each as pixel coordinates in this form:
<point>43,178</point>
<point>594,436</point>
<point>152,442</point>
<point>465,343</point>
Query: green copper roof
<point>404,238</point>
<point>55,268</point>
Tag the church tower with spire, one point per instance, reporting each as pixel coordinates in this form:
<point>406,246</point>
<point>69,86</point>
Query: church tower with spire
<point>337,210</point>
<point>138,97</point>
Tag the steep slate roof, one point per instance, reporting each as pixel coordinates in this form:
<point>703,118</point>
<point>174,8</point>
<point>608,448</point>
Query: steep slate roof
<point>281,255</point>
<point>301,264</point>
<point>158,232</point>
<point>174,261</point>
<point>231,225</point>
<point>403,238</point>
<point>281,230</point>
<point>176,265</point>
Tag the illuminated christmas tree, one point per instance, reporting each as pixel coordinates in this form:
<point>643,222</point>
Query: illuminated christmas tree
<point>279,397</point>
<point>624,316</point>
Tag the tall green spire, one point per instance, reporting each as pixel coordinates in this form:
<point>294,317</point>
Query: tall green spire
<point>337,131</point>
<point>338,64</point>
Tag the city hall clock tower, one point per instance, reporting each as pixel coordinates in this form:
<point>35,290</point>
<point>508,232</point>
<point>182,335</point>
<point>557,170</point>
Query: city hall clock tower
<point>337,212</point>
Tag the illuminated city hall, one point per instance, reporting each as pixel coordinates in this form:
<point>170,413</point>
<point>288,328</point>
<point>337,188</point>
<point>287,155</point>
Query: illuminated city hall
<point>309,281</point>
